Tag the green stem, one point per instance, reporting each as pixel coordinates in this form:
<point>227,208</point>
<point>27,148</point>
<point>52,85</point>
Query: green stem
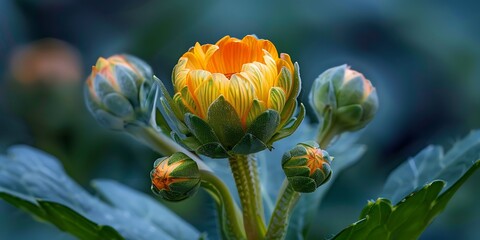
<point>286,201</point>
<point>229,213</point>
<point>161,143</point>
<point>325,137</point>
<point>328,131</point>
<point>245,173</point>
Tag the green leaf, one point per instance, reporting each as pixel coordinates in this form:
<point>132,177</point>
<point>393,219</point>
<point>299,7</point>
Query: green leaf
<point>64,218</point>
<point>409,218</point>
<point>35,182</point>
<point>433,178</point>
<point>124,198</point>
<point>431,164</point>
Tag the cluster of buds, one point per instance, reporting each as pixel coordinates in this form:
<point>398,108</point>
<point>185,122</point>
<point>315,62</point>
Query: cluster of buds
<point>231,99</point>
<point>120,91</point>
<point>175,178</point>
<point>344,98</point>
<point>307,167</point>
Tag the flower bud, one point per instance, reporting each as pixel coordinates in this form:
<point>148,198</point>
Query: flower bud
<point>347,95</point>
<point>175,178</point>
<point>307,166</point>
<point>120,91</point>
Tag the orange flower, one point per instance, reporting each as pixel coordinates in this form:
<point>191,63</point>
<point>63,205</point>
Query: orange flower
<point>235,96</point>
<point>247,73</point>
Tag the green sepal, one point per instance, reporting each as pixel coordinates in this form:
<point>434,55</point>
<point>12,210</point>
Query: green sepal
<point>200,129</point>
<point>297,81</point>
<point>249,144</point>
<point>108,120</point>
<point>265,125</point>
<point>351,92</point>
<point>119,106</point>
<point>302,184</point>
<point>168,98</point>
<point>128,82</point>
<point>350,116</point>
<point>190,143</point>
<point>101,86</point>
<point>297,170</point>
<point>213,150</point>
<point>285,132</point>
<point>225,122</point>
<point>370,106</point>
<point>319,175</point>
<point>168,111</point>
<point>322,95</point>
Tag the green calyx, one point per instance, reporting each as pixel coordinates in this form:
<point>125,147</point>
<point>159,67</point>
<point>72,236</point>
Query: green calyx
<point>307,167</point>
<point>345,98</point>
<point>175,178</point>
<point>222,135</point>
<point>120,94</point>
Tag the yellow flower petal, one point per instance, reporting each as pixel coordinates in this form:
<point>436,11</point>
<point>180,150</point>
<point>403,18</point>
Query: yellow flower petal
<point>179,74</point>
<point>207,92</point>
<point>240,95</point>
<point>277,99</point>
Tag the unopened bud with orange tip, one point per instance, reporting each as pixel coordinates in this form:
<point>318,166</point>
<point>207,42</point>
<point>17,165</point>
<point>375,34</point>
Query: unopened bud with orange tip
<point>307,166</point>
<point>344,98</point>
<point>120,91</point>
<point>175,178</point>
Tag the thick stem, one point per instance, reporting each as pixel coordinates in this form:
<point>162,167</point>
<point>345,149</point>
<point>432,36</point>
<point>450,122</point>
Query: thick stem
<point>277,228</point>
<point>245,173</point>
<point>229,213</point>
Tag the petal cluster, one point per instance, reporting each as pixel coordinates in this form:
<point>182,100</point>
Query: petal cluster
<point>235,96</point>
<point>249,73</point>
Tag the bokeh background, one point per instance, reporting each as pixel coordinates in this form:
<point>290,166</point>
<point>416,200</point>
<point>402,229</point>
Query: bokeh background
<point>422,56</point>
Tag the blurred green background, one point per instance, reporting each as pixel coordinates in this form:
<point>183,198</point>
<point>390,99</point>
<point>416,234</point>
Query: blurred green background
<point>422,56</point>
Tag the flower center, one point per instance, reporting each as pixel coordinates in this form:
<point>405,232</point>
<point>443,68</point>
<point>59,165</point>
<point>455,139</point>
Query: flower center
<point>315,160</point>
<point>230,58</point>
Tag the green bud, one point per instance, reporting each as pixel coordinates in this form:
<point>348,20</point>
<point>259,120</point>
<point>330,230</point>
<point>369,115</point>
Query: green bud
<point>120,90</point>
<point>345,97</point>
<point>307,166</point>
<point>175,178</point>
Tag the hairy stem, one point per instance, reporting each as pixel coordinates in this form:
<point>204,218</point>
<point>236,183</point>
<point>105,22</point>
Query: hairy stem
<point>286,201</point>
<point>245,173</point>
<point>228,212</point>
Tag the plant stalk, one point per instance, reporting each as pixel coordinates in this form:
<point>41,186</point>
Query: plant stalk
<point>229,213</point>
<point>245,173</point>
<point>277,228</point>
